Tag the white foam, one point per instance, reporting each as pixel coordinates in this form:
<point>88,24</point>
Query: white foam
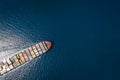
<point>10,43</point>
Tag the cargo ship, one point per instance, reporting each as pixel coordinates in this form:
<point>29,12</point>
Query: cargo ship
<point>24,56</point>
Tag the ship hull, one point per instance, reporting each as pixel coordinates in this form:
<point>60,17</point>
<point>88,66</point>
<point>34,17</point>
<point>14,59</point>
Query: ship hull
<point>24,56</point>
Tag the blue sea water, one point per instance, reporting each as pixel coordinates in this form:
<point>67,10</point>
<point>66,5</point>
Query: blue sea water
<point>85,36</point>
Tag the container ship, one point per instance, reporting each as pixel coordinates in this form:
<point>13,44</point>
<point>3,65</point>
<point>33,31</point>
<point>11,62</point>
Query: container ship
<point>24,56</point>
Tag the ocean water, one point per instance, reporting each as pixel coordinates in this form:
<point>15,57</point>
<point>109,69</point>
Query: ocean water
<point>85,36</point>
